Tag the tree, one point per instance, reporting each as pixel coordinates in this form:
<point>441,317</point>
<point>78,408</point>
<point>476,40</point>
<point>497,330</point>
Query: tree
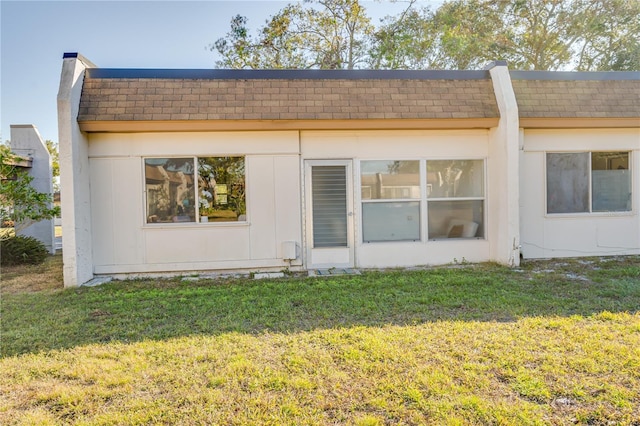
<point>540,32</point>
<point>236,47</point>
<point>337,35</point>
<point>405,41</point>
<point>326,34</point>
<point>468,35</point>
<point>19,201</point>
<point>610,36</point>
<point>585,35</point>
<point>52,147</point>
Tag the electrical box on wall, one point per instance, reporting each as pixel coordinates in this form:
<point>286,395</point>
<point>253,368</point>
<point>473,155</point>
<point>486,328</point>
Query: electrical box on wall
<point>289,250</point>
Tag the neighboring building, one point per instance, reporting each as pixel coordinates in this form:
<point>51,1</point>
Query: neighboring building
<point>172,171</point>
<point>27,143</point>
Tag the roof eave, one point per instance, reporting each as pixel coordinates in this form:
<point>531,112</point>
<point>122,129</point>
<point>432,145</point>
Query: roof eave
<point>579,122</point>
<point>274,125</point>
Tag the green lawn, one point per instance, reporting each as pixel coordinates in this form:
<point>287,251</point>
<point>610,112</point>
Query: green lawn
<point>548,343</point>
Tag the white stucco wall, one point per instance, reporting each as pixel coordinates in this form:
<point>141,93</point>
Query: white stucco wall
<point>504,171</point>
<point>124,243</point>
<point>406,145</point>
<point>27,142</point>
<point>74,177</point>
<point>574,235</point>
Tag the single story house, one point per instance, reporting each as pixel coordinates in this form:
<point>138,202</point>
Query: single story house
<point>176,171</point>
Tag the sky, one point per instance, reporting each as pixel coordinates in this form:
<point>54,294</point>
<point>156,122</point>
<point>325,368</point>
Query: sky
<point>34,35</point>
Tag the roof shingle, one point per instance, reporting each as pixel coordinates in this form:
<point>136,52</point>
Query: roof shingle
<point>240,95</point>
<point>105,99</point>
<point>577,98</point>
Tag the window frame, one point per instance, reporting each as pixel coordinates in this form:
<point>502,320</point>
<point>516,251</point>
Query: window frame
<point>196,189</point>
<point>590,212</point>
<point>423,200</point>
<point>482,198</point>
<point>407,200</point>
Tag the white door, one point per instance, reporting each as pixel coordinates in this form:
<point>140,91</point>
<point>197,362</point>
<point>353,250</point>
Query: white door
<point>329,217</point>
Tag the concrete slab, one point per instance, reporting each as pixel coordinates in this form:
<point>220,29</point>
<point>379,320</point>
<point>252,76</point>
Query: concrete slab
<point>333,271</point>
<point>263,275</point>
<point>97,281</point>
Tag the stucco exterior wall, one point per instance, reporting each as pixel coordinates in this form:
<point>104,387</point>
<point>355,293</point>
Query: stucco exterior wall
<point>581,234</point>
<point>105,137</point>
<point>125,243</point>
<point>504,171</point>
<point>406,145</point>
<point>27,142</point>
<point>76,206</point>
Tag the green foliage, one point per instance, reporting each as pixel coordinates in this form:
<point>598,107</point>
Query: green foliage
<point>228,171</point>
<point>19,201</point>
<point>585,35</point>
<point>405,41</point>
<point>52,147</point>
<point>326,34</point>
<point>488,293</point>
<point>21,250</point>
<point>479,344</point>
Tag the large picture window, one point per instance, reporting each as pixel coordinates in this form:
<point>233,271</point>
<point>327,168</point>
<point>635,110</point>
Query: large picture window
<point>455,198</point>
<point>585,182</point>
<point>190,189</point>
<point>393,199</point>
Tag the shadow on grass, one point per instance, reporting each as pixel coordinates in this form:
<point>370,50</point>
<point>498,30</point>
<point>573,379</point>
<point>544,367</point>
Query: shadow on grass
<point>137,310</point>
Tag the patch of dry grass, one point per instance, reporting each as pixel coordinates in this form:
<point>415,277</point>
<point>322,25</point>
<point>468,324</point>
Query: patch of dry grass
<point>32,278</point>
<point>6,232</point>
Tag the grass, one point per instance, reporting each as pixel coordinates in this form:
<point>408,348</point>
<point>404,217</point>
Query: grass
<point>548,343</point>
<point>30,279</point>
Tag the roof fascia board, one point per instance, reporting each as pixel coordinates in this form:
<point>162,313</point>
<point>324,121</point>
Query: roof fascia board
<point>575,75</point>
<point>252,125</point>
<point>226,74</point>
<point>578,123</point>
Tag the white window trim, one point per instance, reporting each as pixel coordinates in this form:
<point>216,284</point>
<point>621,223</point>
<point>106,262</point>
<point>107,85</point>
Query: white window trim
<point>359,202</point>
<point>424,200</point>
<point>590,213</point>
<point>197,223</point>
<point>484,198</point>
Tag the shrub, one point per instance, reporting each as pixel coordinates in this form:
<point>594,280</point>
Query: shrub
<point>22,250</point>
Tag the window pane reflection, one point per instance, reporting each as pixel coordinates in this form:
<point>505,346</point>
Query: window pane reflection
<point>456,219</point>
<point>390,179</point>
<point>455,178</point>
<point>170,192</point>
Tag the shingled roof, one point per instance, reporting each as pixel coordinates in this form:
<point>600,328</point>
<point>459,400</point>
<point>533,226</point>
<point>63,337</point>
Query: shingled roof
<point>193,95</point>
<point>127,99</point>
<point>577,95</point>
